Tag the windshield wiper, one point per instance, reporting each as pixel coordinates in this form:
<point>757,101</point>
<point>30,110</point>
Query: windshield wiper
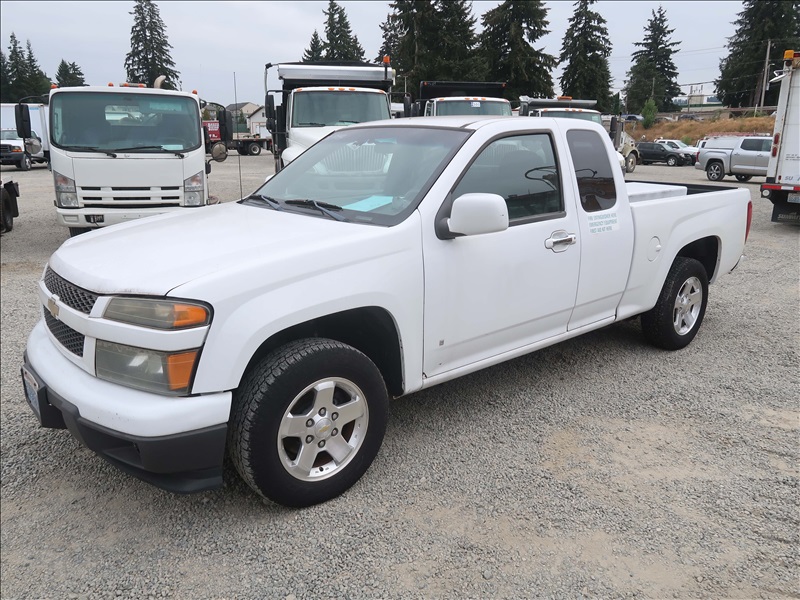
<point>90,149</point>
<point>175,152</point>
<point>312,124</point>
<point>269,201</point>
<point>322,207</point>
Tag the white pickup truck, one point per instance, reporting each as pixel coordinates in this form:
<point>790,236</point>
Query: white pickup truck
<point>387,258</point>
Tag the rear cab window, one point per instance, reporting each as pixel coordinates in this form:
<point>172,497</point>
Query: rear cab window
<point>593,170</point>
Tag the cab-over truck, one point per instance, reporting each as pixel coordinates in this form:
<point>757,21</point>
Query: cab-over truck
<point>386,259</point>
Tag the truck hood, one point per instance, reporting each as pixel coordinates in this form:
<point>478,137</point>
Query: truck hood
<point>99,170</point>
<point>303,137</point>
<point>157,254</point>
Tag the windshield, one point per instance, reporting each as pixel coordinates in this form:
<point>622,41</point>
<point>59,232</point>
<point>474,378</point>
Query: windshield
<point>472,107</point>
<point>571,114</point>
<point>109,121</point>
<point>9,134</point>
<point>324,108</point>
<point>374,175</point>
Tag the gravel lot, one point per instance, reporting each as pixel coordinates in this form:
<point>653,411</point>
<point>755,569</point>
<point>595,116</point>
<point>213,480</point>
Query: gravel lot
<point>600,467</point>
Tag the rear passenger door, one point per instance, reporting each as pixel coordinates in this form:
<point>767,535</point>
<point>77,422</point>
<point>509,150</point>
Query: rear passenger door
<point>605,229</point>
<point>745,158</point>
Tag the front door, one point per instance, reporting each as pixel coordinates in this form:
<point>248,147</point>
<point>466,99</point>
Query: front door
<point>493,293</point>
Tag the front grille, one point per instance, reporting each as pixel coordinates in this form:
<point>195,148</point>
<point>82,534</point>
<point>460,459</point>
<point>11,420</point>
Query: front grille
<point>71,295</point>
<point>66,335</point>
<point>5,148</point>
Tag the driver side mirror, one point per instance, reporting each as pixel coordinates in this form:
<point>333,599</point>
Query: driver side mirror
<point>474,214</point>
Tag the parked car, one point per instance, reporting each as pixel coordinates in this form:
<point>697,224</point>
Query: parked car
<point>12,150</point>
<point>689,152</point>
<point>741,156</point>
<point>652,152</point>
<point>689,117</point>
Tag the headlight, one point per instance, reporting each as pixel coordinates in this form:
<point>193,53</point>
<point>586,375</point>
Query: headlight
<point>66,196</point>
<point>193,190</point>
<point>149,370</point>
<point>158,314</point>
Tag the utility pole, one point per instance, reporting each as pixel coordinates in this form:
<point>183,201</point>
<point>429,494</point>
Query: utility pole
<point>764,78</point>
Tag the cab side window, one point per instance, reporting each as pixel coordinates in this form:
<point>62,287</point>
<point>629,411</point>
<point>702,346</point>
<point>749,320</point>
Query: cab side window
<point>523,170</point>
<point>593,170</point>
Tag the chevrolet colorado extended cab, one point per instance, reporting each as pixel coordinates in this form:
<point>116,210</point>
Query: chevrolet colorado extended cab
<point>387,258</point>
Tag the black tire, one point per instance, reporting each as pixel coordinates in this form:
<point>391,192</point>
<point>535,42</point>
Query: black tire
<point>253,149</point>
<point>7,216</point>
<point>743,178</point>
<point>73,231</point>
<point>630,163</point>
<point>714,171</point>
<point>240,150</point>
<point>672,161</point>
<point>25,163</point>
<point>300,383</point>
<point>673,322</point>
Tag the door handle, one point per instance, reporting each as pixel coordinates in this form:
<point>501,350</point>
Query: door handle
<point>560,240</point>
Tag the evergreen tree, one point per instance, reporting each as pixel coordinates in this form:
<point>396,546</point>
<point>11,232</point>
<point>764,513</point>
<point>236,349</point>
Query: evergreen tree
<point>36,81</point>
<point>509,31</point>
<point>340,43</point>
<point>741,72</point>
<point>315,50</point>
<point>392,33</point>
<point>455,54</point>
<point>416,26</point>
<point>585,50</point>
<point>69,74</point>
<point>5,78</point>
<point>149,56</point>
<point>15,66</point>
<point>644,82</point>
<point>657,49</point>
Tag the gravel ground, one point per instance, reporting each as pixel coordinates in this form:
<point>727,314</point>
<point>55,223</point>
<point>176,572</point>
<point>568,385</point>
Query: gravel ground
<point>600,467</point>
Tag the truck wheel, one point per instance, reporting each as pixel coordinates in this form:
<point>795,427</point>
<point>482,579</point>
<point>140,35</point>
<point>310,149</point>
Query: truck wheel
<point>240,150</point>
<point>630,163</point>
<point>253,149</point>
<point>744,178</point>
<point>714,171</point>
<point>73,231</point>
<point>6,215</point>
<point>307,421</point>
<point>25,163</point>
<point>672,161</point>
<point>673,322</point>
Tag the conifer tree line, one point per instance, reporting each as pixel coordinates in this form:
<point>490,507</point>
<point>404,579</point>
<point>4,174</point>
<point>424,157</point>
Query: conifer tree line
<point>438,40</point>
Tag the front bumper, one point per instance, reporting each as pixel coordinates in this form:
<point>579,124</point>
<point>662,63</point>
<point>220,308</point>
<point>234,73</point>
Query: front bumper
<point>11,158</point>
<point>183,463</point>
<point>177,444</point>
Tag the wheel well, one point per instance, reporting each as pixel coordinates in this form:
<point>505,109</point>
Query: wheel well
<point>705,250</point>
<point>369,329</point>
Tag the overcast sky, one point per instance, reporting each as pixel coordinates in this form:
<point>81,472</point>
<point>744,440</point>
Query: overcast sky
<point>217,43</point>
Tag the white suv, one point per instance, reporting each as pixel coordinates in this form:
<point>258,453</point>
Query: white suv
<point>689,152</point>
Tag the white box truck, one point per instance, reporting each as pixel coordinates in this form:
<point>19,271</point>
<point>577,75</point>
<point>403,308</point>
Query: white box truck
<point>782,186</point>
<point>23,153</point>
<point>119,153</point>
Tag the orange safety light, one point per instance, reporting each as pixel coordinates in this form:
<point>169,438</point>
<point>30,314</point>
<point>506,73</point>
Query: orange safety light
<point>565,98</point>
<point>386,60</point>
<point>53,86</point>
<point>194,92</point>
<point>110,84</point>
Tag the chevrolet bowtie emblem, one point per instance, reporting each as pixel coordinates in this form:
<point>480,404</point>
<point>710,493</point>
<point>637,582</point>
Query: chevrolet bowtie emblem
<point>52,307</point>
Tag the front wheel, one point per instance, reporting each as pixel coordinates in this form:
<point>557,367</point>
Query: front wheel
<point>672,161</point>
<point>743,178</point>
<point>6,216</point>
<point>714,171</point>
<point>25,163</point>
<point>307,421</point>
<point>630,163</point>
<point>673,322</point>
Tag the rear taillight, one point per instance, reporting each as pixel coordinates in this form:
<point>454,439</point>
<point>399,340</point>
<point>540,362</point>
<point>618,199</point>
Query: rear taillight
<point>749,220</point>
<point>776,140</point>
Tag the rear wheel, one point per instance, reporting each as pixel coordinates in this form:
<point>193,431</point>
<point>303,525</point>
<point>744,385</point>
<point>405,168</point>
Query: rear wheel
<point>744,178</point>
<point>714,171</point>
<point>253,149</point>
<point>307,421</point>
<point>673,322</point>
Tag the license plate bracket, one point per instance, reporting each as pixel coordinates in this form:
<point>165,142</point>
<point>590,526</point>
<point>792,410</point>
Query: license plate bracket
<point>33,388</point>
